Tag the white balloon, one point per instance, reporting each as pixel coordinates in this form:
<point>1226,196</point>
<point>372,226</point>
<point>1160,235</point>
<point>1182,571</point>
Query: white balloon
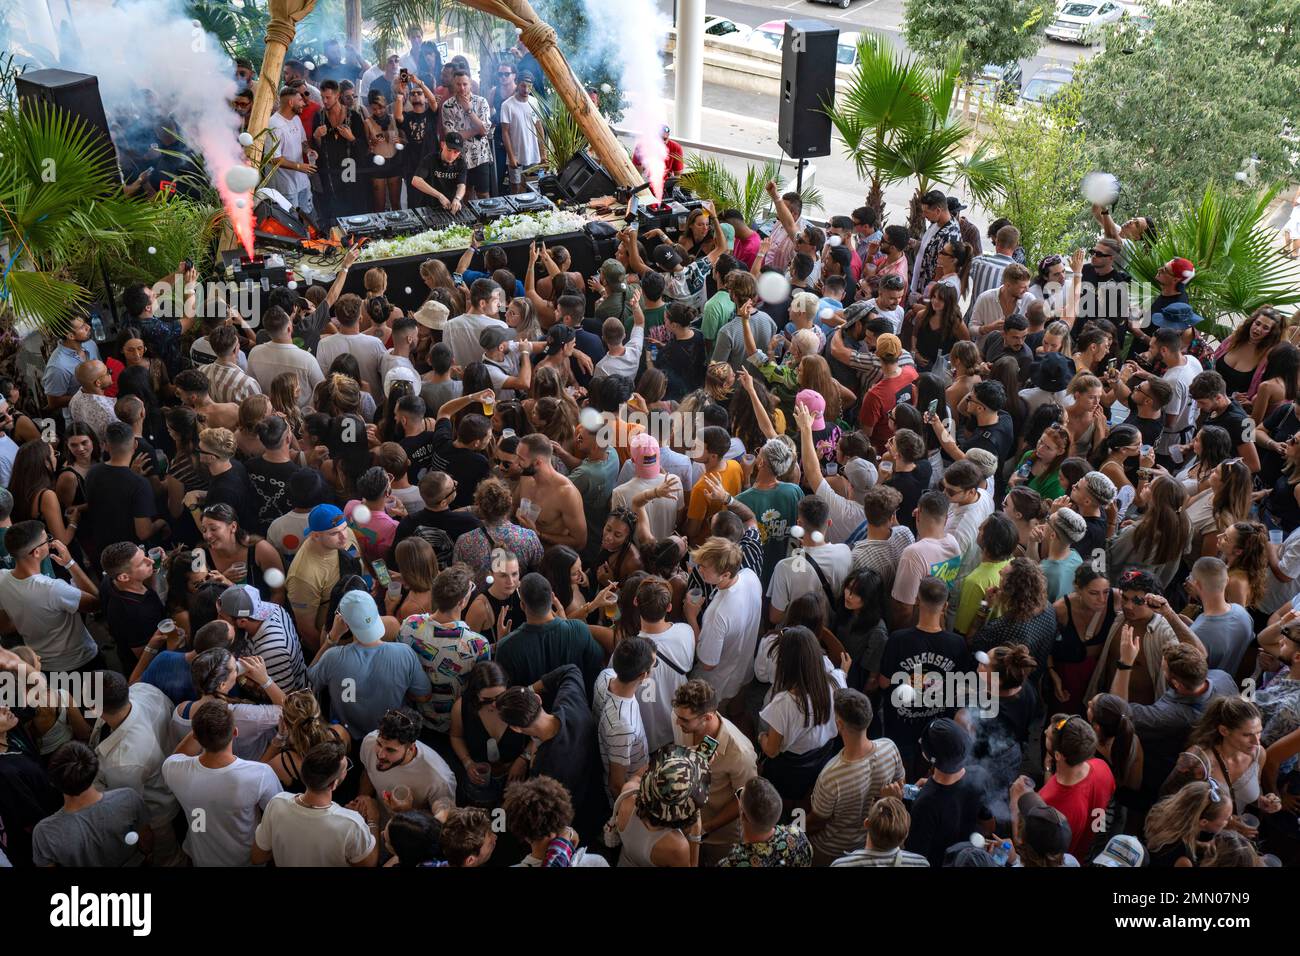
<point>488,580</point>
<point>361,514</point>
<point>591,419</point>
<point>1100,189</point>
<point>977,841</point>
<point>242,179</point>
<point>245,138</point>
<point>379,160</point>
<point>796,532</point>
<point>131,839</point>
<point>408,290</point>
<point>905,694</point>
<point>291,284</point>
<point>399,145</point>
<point>273,577</point>
<point>833,241</point>
<point>152,251</point>
<point>773,287</point>
<point>818,537</point>
<point>981,657</point>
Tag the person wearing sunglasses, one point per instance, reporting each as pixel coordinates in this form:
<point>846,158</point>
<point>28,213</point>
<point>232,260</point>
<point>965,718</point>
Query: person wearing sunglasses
<point>401,771</point>
<point>1103,286</point>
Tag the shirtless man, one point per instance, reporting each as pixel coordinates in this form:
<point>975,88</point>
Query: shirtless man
<point>560,519</point>
<point>193,386</point>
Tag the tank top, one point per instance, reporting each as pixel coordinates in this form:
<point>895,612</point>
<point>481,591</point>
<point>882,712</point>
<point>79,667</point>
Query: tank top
<point>1071,646</point>
<point>1235,380</point>
<point>514,615</point>
<point>928,343</point>
<point>638,839</point>
<point>510,746</point>
<point>253,574</point>
<point>291,766</point>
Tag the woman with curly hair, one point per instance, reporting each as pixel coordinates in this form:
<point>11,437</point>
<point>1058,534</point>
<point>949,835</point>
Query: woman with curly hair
<point>1017,611</point>
<point>300,728</point>
<point>494,506</point>
<point>618,557</point>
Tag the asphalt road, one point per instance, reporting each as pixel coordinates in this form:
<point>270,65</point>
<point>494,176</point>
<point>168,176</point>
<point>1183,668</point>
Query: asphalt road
<point>884,16</point>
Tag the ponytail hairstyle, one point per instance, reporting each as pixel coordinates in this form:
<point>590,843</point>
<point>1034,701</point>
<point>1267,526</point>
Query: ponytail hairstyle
<point>1228,711</point>
<point>210,670</point>
<point>1112,718</point>
<point>629,618</point>
<point>1013,664</point>
<point>1176,820</point>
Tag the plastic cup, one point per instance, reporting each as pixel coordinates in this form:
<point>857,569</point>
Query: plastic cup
<point>484,770</point>
<point>747,461</point>
<point>1250,820</point>
<point>1268,859</point>
<point>156,555</point>
<point>885,468</point>
<point>488,407</point>
<point>832,468</point>
<point>1275,536</point>
<point>695,595</point>
<point>167,626</point>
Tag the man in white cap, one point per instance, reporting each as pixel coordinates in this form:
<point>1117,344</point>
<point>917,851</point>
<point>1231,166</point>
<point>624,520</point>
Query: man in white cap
<point>270,630</point>
<point>370,676</point>
<point>664,501</point>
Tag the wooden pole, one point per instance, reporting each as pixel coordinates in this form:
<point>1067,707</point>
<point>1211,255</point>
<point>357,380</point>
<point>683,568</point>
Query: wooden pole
<point>352,15</point>
<point>285,16</point>
<point>541,42</point>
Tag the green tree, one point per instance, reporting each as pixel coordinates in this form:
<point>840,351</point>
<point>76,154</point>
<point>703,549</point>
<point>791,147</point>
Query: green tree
<point>1042,150</point>
<point>992,31</point>
<point>1188,100</point>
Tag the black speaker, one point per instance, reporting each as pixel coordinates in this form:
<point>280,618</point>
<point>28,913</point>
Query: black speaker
<point>583,178</point>
<point>73,93</point>
<point>807,87</point>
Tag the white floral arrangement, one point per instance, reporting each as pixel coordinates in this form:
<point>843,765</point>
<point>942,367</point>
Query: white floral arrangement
<point>529,225</point>
<point>421,243</point>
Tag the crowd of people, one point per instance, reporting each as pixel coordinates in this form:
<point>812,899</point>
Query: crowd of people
<point>924,556</point>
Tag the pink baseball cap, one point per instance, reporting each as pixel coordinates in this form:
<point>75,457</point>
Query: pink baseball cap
<point>816,404</point>
<point>644,449</point>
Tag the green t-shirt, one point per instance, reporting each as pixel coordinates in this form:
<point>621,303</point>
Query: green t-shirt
<point>985,576</point>
<point>7,561</point>
<point>653,319</point>
<point>1047,485</point>
<point>595,481</point>
<point>777,511</point>
<point>718,311</point>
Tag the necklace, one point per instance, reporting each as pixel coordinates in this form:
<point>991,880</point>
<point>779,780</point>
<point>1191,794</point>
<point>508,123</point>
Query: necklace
<point>310,806</point>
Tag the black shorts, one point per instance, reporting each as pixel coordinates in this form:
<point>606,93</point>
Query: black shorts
<point>480,177</point>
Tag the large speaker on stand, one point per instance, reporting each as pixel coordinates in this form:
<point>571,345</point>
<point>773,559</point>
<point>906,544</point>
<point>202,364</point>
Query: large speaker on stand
<point>808,58</point>
<point>76,94</point>
<point>583,178</point>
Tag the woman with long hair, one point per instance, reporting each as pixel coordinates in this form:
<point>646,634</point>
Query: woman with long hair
<point>928,387</point>
<point>1117,742</point>
<point>1279,382</point>
<point>1240,359</point>
<point>1007,371</point>
<point>186,574</point>
<point>349,454</point>
<point>135,382</point>
<point>1084,619</point>
<point>1244,548</point>
<point>284,393</point>
<point>80,454</point>
<point>1157,541</point>
<point>754,413</point>
<point>1227,500</point>
<point>215,672</point>
<point>521,315</point>
<point>801,736</point>
<point>562,566</point>
<point>963,365</point>
<point>1043,417</point>
<point>1211,447</point>
<point>938,327</point>
<point>548,382</point>
<point>860,626</point>
<point>252,411</point>
<point>242,558</point>
<point>300,728</point>
<point>555,419</point>
<point>388,428</point>
<point>815,374</point>
<point>419,566</point>
<point>184,474</point>
<point>137,354</point>
<point>1039,469</point>
<point>1117,456</point>
<point>1181,828</point>
<point>1085,419</point>
<point>31,483</point>
<point>627,619</point>
<point>1024,506</point>
<point>491,752</point>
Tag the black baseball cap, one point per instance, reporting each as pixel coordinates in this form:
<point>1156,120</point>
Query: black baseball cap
<point>945,744</point>
<point>454,141</point>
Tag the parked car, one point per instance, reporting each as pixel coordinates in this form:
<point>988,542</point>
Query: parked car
<point>720,28</point>
<point>768,36</point>
<point>1000,82</point>
<point>846,53</point>
<point>842,4</point>
<point>1081,21</point>
<point>1046,83</point>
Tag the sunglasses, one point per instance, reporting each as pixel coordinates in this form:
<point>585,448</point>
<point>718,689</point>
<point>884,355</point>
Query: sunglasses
<point>1100,254</point>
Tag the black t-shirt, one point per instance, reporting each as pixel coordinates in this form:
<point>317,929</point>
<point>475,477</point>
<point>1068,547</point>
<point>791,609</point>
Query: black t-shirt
<point>1000,741</point>
<point>270,480</point>
<point>1149,428</point>
<point>933,654</point>
<point>467,466</point>
<point>130,617</point>
<point>683,363</point>
<point>334,150</point>
<point>234,488</point>
<point>1280,424</point>
<point>944,814</point>
<point>115,496</point>
<point>1093,538</point>
<point>420,450</point>
<point>421,133</point>
<point>1232,420</point>
<point>911,485</point>
<point>446,526</point>
<point>1162,302</point>
<point>1101,300</point>
<point>442,176</point>
<point>995,347</point>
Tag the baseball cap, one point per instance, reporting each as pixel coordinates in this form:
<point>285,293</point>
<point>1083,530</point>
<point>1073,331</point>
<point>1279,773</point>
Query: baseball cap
<point>362,616</point>
<point>1176,315</point>
<point>967,854</point>
<point>494,335</point>
<point>454,140</point>
<point>1053,372</point>
<point>400,373</point>
<point>612,272</point>
<point>816,404</point>
<point>888,347</point>
<point>325,518</point>
<point>557,338</point>
<point>955,205</point>
<point>644,451</point>
<point>1181,269</point>
<point>945,745</point>
<point>1044,829</point>
<point>242,601</point>
<point>861,476</point>
<point>666,258</point>
<point>1100,487</point>
<point>432,315</point>
<point>1122,850</point>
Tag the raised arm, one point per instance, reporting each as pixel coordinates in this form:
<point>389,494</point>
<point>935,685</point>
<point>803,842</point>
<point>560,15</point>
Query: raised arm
<point>760,412</point>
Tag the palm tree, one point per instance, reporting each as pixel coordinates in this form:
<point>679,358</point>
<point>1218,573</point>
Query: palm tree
<point>708,178</point>
<point>391,18</point>
<point>896,122</point>
<point>1238,265</point>
<point>564,137</point>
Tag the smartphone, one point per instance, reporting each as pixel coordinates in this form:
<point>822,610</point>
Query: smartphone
<point>189,264</point>
<point>405,74</point>
<point>708,746</point>
<point>381,572</point>
<point>911,791</point>
<point>932,407</point>
<point>1146,474</point>
<point>1110,365</point>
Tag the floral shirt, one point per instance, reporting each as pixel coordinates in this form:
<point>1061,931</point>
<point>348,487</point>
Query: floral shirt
<point>456,118</point>
<point>447,652</point>
<point>474,548</point>
<point>789,846</point>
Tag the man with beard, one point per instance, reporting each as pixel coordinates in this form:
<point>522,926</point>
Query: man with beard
<point>418,123</point>
<point>555,506</point>
<point>470,115</point>
<point>393,756</point>
<point>289,150</point>
<point>60,377</point>
<point>243,105</point>
<point>336,134</point>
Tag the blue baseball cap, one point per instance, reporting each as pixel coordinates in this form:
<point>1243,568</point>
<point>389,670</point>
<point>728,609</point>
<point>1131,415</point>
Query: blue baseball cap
<point>325,518</point>
<point>1176,315</point>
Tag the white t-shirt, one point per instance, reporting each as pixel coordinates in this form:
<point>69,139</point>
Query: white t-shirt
<point>729,633</point>
<point>987,309</point>
<point>964,524</point>
<point>291,137</point>
<point>625,364</point>
<point>1181,405</point>
<point>271,359</point>
<point>221,806</point>
<point>845,513</point>
<point>619,728</point>
<point>677,644</point>
<point>798,734</point>
<point>1034,398</point>
<point>311,836</point>
<point>462,334</point>
<point>367,349</point>
<point>662,512</point>
<point>522,117</point>
<point>289,531</point>
<point>788,583</point>
<point>427,774</point>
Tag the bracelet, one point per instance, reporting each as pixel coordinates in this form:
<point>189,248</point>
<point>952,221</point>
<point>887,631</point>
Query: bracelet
<point>1120,665</point>
<point>268,683</point>
<point>694,839</point>
<point>150,649</point>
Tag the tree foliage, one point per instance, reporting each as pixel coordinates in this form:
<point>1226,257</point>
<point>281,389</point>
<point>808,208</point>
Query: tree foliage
<point>991,31</point>
<point>1188,100</point>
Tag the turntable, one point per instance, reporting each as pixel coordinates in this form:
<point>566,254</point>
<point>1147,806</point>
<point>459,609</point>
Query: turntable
<point>530,202</point>
<point>492,208</point>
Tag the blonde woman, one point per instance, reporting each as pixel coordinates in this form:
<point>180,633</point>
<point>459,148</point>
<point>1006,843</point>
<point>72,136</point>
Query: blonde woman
<point>300,728</point>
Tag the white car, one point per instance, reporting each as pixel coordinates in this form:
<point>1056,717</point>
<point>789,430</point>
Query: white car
<point>846,53</point>
<point>720,28</point>
<point>1081,21</point>
<point>768,36</point>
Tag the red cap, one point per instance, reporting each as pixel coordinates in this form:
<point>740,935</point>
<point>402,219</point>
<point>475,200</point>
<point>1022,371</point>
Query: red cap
<point>1181,269</point>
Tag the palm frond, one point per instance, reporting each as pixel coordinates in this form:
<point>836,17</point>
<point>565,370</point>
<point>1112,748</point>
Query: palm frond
<point>564,137</point>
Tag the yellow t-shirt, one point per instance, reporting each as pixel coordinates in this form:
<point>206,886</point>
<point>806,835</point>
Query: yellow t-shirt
<point>700,506</point>
<point>313,574</point>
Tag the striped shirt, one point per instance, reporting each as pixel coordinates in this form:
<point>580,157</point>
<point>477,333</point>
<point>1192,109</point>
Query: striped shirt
<point>845,791</point>
<point>229,383</point>
<point>619,729</point>
<point>867,365</point>
<point>985,273</point>
<point>882,556</point>
<point>276,642</point>
<point>895,857</point>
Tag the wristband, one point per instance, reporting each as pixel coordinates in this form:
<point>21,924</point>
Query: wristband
<point>268,683</point>
<point>150,649</point>
<point>1120,665</point>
